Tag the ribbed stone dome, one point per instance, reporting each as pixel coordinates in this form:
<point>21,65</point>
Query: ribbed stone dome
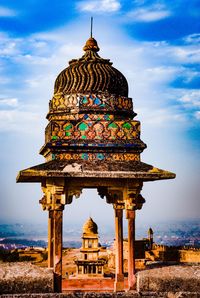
<point>91,73</point>
<point>90,227</point>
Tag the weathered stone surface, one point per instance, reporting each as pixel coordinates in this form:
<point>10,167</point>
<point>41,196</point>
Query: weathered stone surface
<point>106,295</point>
<point>25,278</point>
<point>169,295</point>
<point>170,279</point>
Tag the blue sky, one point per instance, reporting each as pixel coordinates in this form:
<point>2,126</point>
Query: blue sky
<point>156,46</point>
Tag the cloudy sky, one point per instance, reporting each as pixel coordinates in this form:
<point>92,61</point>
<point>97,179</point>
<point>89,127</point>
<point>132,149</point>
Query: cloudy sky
<point>156,46</point>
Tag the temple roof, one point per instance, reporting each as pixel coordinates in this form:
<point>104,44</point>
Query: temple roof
<point>91,73</point>
<point>93,169</point>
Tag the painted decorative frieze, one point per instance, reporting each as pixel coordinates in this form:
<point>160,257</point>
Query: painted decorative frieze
<point>96,156</point>
<point>94,130</point>
<point>75,103</point>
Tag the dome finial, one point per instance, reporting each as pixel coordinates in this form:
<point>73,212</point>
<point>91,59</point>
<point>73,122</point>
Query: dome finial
<point>91,43</point>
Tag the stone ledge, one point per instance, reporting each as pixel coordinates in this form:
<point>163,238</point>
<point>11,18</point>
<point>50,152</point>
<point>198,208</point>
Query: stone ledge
<point>25,278</point>
<point>107,295</point>
<point>173,279</point>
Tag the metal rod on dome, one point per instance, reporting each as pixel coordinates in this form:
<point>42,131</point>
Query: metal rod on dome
<point>91,27</point>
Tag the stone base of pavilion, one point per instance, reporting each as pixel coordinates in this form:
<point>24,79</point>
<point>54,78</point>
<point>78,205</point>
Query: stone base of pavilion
<point>86,284</point>
<point>26,280</point>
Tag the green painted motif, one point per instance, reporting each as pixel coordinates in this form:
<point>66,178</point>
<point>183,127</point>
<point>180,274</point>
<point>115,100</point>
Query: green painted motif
<point>83,137</point>
<point>68,127</point>
<point>113,125</point>
<point>54,137</point>
<point>83,126</point>
<point>68,133</point>
<point>84,156</point>
<point>127,125</point>
<point>85,100</point>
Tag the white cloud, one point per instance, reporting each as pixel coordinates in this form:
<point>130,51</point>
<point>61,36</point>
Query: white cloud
<point>99,6</point>
<point>21,121</point>
<point>160,117</point>
<point>148,14</point>
<point>9,46</point>
<point>186,54</point>
<point>197,115</point>
<point>7,12</point>
<point>192,38</point>
<point>191,98</point>
<point>10,102</point>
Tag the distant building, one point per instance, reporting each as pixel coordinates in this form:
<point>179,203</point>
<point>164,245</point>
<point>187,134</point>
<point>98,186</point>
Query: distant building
<point>90,263</point>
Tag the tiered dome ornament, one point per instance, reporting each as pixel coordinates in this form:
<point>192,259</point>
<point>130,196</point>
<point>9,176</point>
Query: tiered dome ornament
<point>92,140</point>
<point>91,116</point>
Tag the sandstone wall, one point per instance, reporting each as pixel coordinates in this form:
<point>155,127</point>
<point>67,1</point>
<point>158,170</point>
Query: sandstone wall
<point>23,277</point>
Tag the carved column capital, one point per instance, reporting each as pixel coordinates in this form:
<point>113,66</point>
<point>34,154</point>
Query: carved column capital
<point>119,205</point>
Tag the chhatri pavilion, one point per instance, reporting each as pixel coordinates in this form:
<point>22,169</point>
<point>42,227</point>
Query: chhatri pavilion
<point>92,141</point>
<point>90,264</point>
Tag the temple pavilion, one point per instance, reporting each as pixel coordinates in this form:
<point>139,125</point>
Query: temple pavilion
<point>92,140</point>
<point>90,264</point>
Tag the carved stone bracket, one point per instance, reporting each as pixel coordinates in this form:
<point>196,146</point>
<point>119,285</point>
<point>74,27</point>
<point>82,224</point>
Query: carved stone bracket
<point>54,194</point>
<point>57,195</point>
<point>70,193</point>
<point>113,195</point>
<point>127,197</point>
<point>132,197</point>
<point>134,203</point>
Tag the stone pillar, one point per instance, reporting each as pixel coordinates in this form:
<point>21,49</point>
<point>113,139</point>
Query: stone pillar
<point>56,196</point>
<point>134,201</point>
<point>130,215</point>
<point>119,272</point>
<point>58,221</point>
<point>50,239</point>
